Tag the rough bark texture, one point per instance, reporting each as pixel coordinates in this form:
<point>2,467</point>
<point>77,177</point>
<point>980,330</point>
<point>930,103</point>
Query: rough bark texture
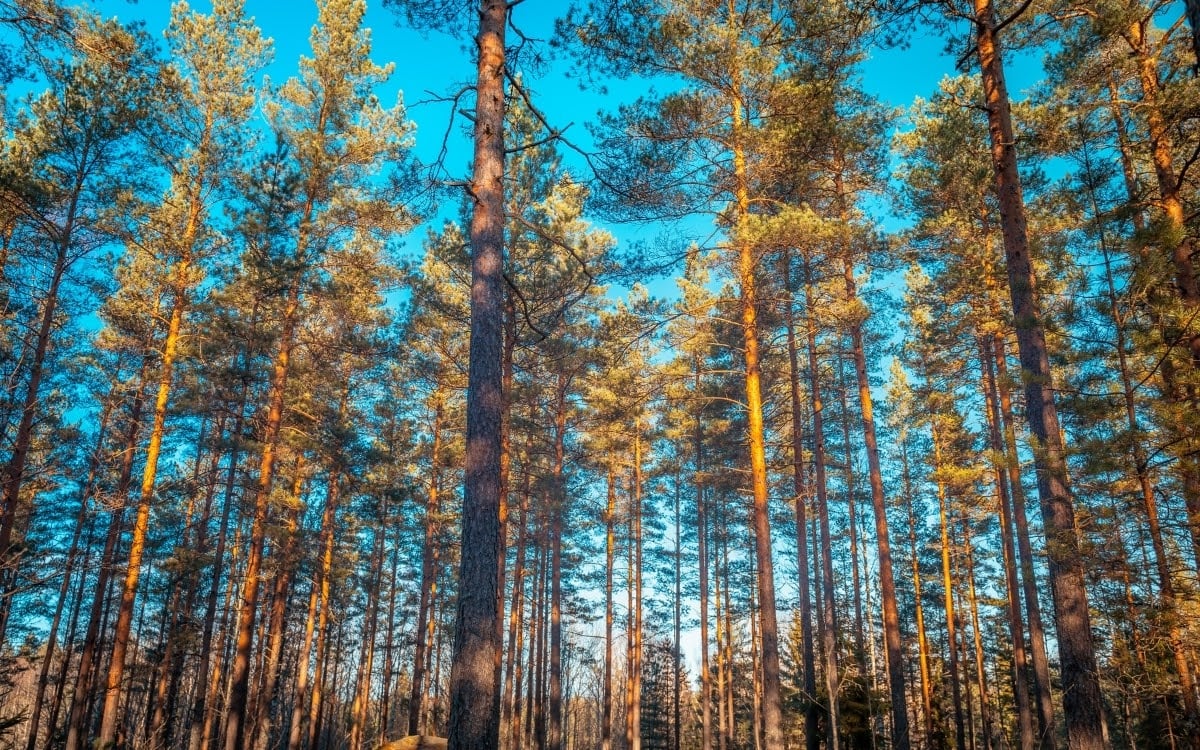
<point>474,697</point>
<point>1082,701</point>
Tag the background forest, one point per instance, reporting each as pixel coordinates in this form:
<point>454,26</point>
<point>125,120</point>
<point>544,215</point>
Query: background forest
<point>822,422</point>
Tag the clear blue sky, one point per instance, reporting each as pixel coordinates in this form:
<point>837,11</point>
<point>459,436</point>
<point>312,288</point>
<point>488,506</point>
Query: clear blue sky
<point>432,64</point>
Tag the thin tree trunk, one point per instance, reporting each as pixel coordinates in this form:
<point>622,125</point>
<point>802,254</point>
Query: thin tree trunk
<point>948,589</point>
<point>1033,608</point>
<point>887,581</point>
<point>606,709</point>
<point>81,521</point>
<point>281,595</point>
<point>430,554</point>
<point>1016,630</point>
<point>235,715</point>
<point>980,672</point>
<point>800,488</point>
<point>828,614</point>
<point>88,661</point>
<point>324,577</point>
<point>199,716</point>
<point>516,631</point>
<point>14,469</point>
<point>933,736</point>
<point>856,583</point>
<point>702,571</point>
<point>557,510</point>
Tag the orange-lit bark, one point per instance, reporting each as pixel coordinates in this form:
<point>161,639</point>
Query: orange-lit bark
<point>235,717</point>
<point>948,595</point>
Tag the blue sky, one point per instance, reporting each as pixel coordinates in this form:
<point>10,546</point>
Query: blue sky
<point>428,65</point>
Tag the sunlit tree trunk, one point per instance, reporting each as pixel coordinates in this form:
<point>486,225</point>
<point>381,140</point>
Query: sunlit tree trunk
<point>235,716</point>
<point>932,733</point>
<point>88,660</point>
<point>702,567</point>
<point>948,591</point>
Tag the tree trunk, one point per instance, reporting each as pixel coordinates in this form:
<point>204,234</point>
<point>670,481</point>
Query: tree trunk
<point>88,661</point>
<point>887,581</point>
<point>933,735</point>
<point>235,716</point>
<point>474,697</point>
<point>324,576</point>
<point>430,554</point>
<point>702,571</point>
<point>1082,700</point>
<point>206,684</point>
<point>606,708</point>
<point>948,589</point>
<point>828,613</point>
<point>756,442</point>
<point>1016,631</point>
<point>1029,584</point>
<point>557,510</point>
<point>81,521</point>
<point>812,736</point>
<point>14,470</point>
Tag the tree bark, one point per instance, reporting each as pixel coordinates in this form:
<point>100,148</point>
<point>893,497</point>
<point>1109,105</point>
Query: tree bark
<point>1082,701</point>
<point>474,697</point>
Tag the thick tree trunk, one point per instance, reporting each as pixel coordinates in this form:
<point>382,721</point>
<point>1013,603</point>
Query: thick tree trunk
<point>1082,701</point>
<point>137,544</point>
<point>474,697</point>
<point>756,442</point>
